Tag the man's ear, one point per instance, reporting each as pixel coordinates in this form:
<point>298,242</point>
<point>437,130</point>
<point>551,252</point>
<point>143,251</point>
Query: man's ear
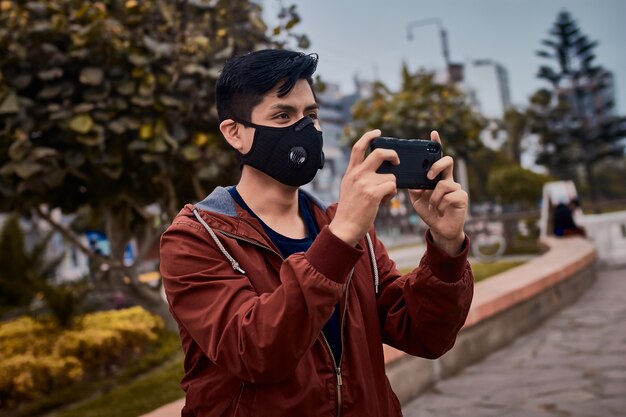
<point>233,133</point>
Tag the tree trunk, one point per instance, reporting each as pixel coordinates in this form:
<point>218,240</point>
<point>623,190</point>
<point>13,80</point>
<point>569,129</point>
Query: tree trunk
<point>592,183</point>
<point>126,279</point>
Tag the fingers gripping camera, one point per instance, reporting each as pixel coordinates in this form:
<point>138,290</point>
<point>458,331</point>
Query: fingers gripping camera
<point>416,158</point>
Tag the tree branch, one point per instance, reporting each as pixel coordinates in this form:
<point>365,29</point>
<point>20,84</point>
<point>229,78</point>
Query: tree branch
<point>142,212</point>
<point>197,188</point>
<point>170,199</point>
<point>147,243</point>
<point>73,239</point>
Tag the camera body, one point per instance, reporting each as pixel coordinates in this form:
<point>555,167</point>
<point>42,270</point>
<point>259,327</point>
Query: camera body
<point>416,158</point>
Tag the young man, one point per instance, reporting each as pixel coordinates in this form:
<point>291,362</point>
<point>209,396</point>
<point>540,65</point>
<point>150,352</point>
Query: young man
<point>283,303</point>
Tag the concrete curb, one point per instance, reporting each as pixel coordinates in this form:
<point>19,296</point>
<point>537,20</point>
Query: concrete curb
<point>504,307</point>
<point>168,410</point>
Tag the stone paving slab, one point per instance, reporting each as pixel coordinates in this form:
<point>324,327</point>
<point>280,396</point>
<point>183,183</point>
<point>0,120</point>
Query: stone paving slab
<point>574,365</point>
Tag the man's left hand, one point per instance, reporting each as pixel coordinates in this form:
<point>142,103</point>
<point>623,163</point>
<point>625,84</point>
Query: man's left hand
<point>443,209</point>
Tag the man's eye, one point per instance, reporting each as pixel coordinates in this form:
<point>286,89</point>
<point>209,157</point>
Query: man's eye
<point>283,116</point>
<point>313,115</point>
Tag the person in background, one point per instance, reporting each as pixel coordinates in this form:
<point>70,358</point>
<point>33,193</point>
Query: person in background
<point>564,223</point>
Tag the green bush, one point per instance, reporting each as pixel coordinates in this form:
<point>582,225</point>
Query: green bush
<point>24,376</point>
<point>37,356</point>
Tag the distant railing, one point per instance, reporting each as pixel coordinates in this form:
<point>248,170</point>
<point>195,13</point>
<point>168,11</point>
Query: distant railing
<point>606,206</point>
<point>495,235</point>
<point>492,235</point>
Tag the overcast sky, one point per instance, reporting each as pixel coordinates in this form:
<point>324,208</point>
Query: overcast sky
<point>369,37</point>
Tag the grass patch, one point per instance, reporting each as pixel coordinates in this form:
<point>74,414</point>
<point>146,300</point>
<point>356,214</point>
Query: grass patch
<point>523,245</point>
<point>137,397</point>
<point>165,351</point>
<point>485,270</point>
<point>405,245</point>
<point>165,348</point>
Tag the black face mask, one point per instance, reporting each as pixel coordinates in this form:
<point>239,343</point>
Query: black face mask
<point>291,155</point>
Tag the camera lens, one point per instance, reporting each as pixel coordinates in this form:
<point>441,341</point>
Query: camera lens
<point>432,148</point>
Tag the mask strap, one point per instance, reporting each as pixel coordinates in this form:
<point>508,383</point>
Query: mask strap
<point>244,122</point>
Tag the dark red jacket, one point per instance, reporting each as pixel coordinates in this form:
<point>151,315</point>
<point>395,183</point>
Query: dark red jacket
<point>250,321</point>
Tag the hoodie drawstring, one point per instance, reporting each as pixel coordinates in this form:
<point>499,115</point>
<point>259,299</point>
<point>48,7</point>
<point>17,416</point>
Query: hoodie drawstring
<point>232,260</point>
<point>238,268</point>
<point>370,246</point>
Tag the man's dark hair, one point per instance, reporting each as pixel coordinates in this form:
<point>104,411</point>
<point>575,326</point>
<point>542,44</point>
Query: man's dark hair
<point>246,79</point>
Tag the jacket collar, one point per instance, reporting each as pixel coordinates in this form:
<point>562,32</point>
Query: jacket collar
<point>221,212</point>
<point>220,201</point>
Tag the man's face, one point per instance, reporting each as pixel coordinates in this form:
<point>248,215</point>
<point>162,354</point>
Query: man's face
<point>283,111</point>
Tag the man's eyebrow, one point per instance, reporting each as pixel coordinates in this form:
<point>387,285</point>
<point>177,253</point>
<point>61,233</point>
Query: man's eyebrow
<point>290,108</point>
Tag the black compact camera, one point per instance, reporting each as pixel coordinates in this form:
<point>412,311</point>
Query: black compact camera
<point>416,158</point>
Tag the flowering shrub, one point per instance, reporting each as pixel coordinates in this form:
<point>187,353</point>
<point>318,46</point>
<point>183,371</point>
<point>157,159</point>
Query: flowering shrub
<point>26,335</point>
<point>24,376</point>
<point>36,356</point>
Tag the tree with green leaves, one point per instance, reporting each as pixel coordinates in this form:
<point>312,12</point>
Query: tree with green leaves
<point>107,109</point>
<point>515,124</point>
<point>421,105</point>
<point>485,161</point>
<point>575,117</point>
<point>514,184</point>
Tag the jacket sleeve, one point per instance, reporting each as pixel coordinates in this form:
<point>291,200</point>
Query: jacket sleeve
<point>256,337</point>
<point>422,312</point>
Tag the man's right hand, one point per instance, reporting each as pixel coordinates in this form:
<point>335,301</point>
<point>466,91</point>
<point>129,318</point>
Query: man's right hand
<point>363,190</point>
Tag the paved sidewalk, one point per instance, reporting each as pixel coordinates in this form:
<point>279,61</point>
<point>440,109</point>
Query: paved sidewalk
<point>573,365</point>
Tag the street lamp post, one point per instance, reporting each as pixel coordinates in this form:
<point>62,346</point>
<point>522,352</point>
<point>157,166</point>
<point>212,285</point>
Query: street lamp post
<point>443,34</point>
<point>461,167</point>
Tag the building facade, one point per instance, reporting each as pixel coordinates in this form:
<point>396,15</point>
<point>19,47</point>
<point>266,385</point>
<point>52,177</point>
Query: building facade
<point>335,114</point>
<point>487,84</point>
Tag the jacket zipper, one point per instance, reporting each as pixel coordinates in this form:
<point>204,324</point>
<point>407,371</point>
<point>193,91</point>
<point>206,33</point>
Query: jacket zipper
<point>343,322</point>
<point>330,351</point>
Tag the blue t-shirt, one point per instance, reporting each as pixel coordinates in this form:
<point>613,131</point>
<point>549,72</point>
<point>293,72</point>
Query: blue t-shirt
<point>288,246</point>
